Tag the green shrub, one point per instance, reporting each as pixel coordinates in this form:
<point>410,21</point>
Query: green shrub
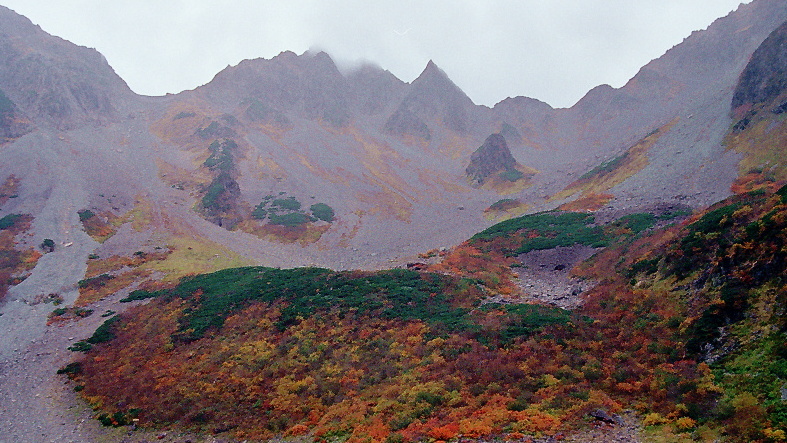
<point>211,130</point>
<point>289,203</point>
<point>638,222</point>
<point>643,266</point>
<point>605,167</point>
<point>503,204</point>
<point>9,221</point>
<point>85,214</point>
<point>139,294</point>
<point>104,332</point>
<point>48,244</point>
<point>183,114</point>
<point>675,213</point>
<point>322,212</point>
<point>782,192</point>
<point>511,175</point>
<point>95,282</point>
<point>71,369</point>
<point>290,219</point>
<point>259,212</point>
<point>80,346</point>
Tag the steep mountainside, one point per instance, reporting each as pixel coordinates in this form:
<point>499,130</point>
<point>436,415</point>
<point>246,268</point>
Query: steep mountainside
<point>764,77</point>
<point>760,99</point>
<point>290,162</point>
<point>55,81</point>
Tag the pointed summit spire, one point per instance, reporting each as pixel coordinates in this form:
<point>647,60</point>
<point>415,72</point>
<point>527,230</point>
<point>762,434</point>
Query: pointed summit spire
<point>433,72</point>
<point>434,82</point>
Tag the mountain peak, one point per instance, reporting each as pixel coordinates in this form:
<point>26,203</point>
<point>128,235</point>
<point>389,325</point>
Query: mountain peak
<point>55,81</point>
<point>434,94</point>
<point>433,74</point>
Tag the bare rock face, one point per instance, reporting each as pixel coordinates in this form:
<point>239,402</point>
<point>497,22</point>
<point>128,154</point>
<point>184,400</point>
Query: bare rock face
<point>435,98</point>
<point>12,123</point>
<point>765,77</point>
<point>404,122</point>
<point>491,158</point>
<point>54,81</point>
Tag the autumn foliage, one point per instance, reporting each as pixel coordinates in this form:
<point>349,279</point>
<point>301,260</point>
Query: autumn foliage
<point>407,356</point>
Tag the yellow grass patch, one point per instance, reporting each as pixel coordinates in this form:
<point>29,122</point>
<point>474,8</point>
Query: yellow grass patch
<point>506,187</point>
<point>505,209</point>
<point>102,225</point>
<point>194,255</point>
<point>587,202</point>
<point>304,234</point>
<point>8,188</point>
<point>141,215</point>
<point>617,170</point>
<point>457,147</point>
<point>762,145</point>
<point>181,177</point>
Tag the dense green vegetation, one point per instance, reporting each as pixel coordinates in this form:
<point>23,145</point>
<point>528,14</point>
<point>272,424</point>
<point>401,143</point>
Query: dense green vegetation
<point>85,214</point>
<point>511,175</point>
<point>8,221</point>
<point>220,194</point>
<point>288,204</point>
<point>605,167</point>
<point>290,219</point>
<point>405,356</point>
<point>547,230</point>
<point>102,334</point>
<point>734,260</point>
<point>395,294</point>
<point>221,155</point>
<point>286,211</point>
<point>322,212</point>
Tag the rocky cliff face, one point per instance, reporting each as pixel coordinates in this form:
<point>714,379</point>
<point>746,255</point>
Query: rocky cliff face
<point>432,99</point>
<point>765,77</point>
<point>54,81</point>
<point>490,158</point>
<point>12,123</point>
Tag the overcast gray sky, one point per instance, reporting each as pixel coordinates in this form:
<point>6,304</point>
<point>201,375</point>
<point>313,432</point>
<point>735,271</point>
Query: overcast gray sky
<point>552,50</point>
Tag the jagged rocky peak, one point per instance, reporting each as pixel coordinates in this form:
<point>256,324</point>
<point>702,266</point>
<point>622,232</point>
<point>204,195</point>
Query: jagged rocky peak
<point>307,85</point>
<point>431,97</point>
<point>520,104</point>
<point>435,80</point>
<point>490,158</point>
<point>54,81</point>
<point>374,88</point>
<point>765,76</point>
<point>433,90</point>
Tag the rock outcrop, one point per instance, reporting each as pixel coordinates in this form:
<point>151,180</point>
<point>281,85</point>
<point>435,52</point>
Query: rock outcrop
<point>491,158</point>
<point>765,77</point>
<point>54,81</point>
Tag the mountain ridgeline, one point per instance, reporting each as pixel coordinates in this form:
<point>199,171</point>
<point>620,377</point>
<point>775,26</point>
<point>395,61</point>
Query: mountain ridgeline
<point>295,251</point>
